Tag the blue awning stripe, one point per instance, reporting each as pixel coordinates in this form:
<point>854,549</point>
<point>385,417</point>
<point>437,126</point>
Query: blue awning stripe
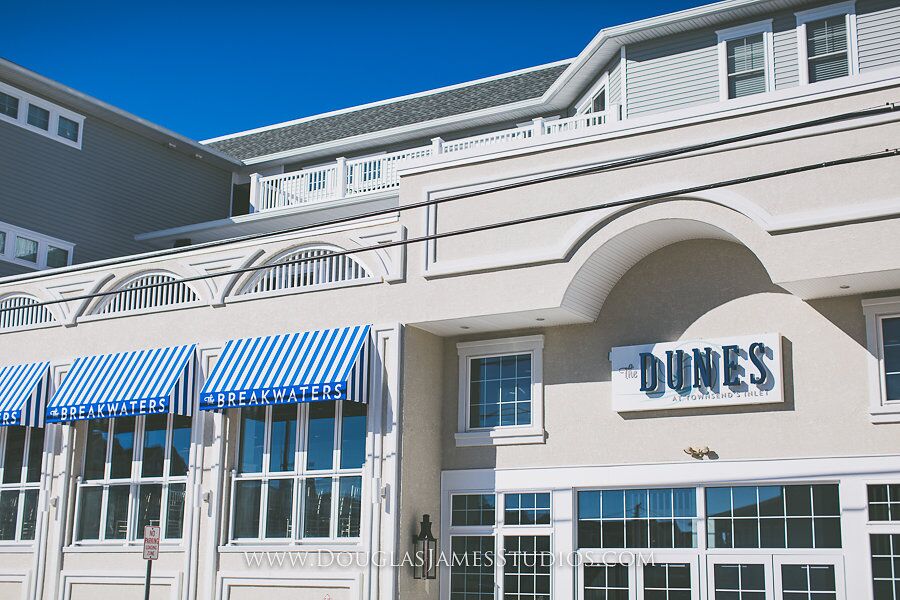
<point>138,382</point>
<point>329,364</point>
<point>23,390</point>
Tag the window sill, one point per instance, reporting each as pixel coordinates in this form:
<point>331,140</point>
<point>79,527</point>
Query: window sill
<point>323,546</point>
<point>23,547</point>
<point>886,413</point>
<point>130,548</point>
<point>501,437</point>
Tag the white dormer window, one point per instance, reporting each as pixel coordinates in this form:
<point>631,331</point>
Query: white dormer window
<point>746,60</point>
<point>826,39</point>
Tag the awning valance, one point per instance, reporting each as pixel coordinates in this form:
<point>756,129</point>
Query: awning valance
<point>142,382</point>
<point>329,364</point>
<point>23,393</point>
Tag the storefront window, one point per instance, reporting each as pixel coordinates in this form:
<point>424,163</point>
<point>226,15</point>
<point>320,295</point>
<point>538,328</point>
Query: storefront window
<point>299,471</point>
<point>472,564</point>
<point>134,474</point>
<point>21,456</point>
<point>526,567</point>
<point>526,509</point>
<point>473,510</point>
<point>790,516</point>
<point>637,518</point>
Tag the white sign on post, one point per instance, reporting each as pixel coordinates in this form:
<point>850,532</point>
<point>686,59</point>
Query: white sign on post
<point>151,542</point>
<point>698,373</point>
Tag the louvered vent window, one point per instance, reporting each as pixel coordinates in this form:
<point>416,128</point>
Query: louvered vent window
<point>826,46</point>
<point>746,66</point>
<point>311,267</point>
<point>149,291</point>
<point>21,311</point>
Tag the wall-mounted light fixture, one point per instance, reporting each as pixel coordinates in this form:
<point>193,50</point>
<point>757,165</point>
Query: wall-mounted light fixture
<point>425,557</point>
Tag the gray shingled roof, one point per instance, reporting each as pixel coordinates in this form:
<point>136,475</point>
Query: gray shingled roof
<point>478,96</point>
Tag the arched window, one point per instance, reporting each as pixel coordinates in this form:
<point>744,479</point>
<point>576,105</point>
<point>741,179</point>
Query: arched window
<point>152,290</point>
<point>22,311</point>
<point>306,268</point>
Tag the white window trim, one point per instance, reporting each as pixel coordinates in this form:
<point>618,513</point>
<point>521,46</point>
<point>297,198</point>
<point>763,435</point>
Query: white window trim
<point>876,310</point>
<point>56,112</point>
<point>745,559</point>
<point>506,434</point>
<point>732,33</point>
<point>823,12</point>
<point>586,101</point>
<point>8,250</point>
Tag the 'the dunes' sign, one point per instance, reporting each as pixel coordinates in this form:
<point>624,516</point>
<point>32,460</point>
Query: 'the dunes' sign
<point>698,373</point>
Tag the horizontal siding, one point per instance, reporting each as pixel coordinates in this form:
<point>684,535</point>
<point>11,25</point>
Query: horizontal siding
<point>878,33</point>
<point>784,42</point>
<point>614,68</point>
<point>118,185</point>
<point>671,73</point>
<point>7,269</point>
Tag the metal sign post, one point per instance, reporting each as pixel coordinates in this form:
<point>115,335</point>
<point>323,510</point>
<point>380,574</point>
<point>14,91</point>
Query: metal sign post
<point>151,553</point>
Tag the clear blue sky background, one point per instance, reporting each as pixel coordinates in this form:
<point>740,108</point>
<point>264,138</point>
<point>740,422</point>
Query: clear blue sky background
<point>207,69</point>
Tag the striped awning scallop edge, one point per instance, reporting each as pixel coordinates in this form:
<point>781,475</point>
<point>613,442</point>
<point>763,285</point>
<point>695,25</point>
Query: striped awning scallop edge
<point>23,393</point>
<point>328,364</point>
<point>127,384</point>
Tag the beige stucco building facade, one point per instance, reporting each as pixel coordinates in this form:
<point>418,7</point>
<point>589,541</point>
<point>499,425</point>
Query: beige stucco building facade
<point>771,235</point>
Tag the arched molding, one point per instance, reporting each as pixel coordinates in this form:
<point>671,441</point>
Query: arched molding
<point>169,292</point>
<point>25,312</point>
<point>616,243</point>
<point>327,269</point>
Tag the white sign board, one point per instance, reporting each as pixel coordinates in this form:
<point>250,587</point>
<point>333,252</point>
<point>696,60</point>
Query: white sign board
<point>151,542</point>
<point>698,373</point>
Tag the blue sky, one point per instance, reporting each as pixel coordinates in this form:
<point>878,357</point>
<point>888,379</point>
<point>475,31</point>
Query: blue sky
<point>207,69</point>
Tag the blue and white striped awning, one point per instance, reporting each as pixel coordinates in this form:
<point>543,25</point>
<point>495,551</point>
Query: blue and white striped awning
<point>142,382</point>
<point>330,364</point>
<point>23,392</point>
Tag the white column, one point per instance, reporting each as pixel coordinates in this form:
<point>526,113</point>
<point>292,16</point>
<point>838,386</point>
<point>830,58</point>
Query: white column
<point>255,191</point>
<point>340,175</point>
<point>437,146</point>
<point>538,126</point>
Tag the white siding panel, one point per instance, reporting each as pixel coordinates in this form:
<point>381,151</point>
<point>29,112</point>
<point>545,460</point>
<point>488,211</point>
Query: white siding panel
<point>784,34</point>
<point>676,72</point>
<point>878,31</point>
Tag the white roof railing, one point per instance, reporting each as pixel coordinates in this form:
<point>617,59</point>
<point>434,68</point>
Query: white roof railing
<point>350,178</point>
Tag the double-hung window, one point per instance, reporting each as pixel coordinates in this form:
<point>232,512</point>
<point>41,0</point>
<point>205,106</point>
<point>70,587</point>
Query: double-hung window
<point>883,344</point>
<point>745,60</point>
<point>134,473</point>
<point>500,389</point>
<point>298,472</point>
<point>826,38</point>
<point>21,454</point>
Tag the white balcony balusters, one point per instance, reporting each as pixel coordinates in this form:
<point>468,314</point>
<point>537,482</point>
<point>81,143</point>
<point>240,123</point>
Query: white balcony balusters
<point>349,178</point>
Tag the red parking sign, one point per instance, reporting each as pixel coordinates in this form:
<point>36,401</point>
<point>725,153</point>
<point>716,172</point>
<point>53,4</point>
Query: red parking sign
<point>151,542</point>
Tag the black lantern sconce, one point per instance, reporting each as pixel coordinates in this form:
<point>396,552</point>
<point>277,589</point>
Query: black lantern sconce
<point>425,558</point>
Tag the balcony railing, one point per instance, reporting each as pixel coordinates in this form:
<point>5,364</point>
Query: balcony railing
<point>350,178</point>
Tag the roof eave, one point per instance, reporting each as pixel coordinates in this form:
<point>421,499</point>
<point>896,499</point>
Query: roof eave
<point>53,90</point>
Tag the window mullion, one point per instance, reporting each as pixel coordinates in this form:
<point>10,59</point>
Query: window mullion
<point>3,431</point>
<point>104,506</point>
<point>338,432</point>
